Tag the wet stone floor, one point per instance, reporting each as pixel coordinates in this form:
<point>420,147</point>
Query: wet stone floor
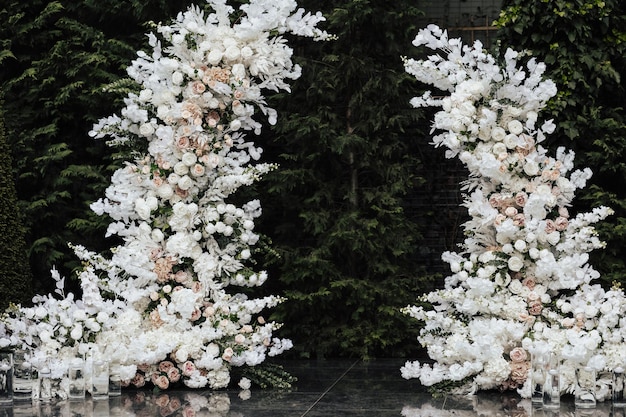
<point>324,388</point>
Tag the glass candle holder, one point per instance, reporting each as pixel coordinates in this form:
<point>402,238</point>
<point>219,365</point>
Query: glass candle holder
<point>76,377</point>
<point>99,379</point>
<point>45,385</point>
<point>6,378</point>
<point>585,395</point>
<point>22,376</point>
<point>538,365</point>
<point>552,385</point>
<point>115,381</point>
<point>619,387</point>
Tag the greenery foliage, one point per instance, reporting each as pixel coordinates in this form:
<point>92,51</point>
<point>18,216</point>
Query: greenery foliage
<point>347,146</point>
<point>583,43</point>
<point>56,57</point>
<point>15,275</point>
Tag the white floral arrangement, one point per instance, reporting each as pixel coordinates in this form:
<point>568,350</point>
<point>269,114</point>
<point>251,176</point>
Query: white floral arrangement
<point>161,307</point>
<point>521,284</point>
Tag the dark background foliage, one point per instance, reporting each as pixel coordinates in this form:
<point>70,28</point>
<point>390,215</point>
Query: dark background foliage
<point>15,274</point>
<point>348,145</point>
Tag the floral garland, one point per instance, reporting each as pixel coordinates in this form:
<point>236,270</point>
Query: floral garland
<point>522,283</point>
<point>159,307</point>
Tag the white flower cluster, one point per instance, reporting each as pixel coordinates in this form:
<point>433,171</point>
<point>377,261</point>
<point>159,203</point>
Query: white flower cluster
<point>524,254</point>
<point>160,305</point>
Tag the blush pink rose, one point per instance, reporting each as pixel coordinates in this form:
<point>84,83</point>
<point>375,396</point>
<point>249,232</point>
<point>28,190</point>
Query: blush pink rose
<point>138,380</point>
<point>173,374</point>
<point>165,366</point>
<point>535,308</point>
<point>519,371</point>
<point>561,223</point>
<point>518,354</point>
<point>550,226</point>
<point>188,368</point>
<point>160,381</point>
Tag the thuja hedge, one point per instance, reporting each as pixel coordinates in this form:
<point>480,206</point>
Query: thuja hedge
<point>15,274</point>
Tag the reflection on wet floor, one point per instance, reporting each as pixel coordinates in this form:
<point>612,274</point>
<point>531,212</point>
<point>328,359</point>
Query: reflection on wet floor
<point>324,388</point>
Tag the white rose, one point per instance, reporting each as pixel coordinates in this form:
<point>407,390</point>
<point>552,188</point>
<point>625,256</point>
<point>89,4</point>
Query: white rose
<point>165,191</point>
<point>515,127</point>
<point>246,52</point>
<point>520,245</point>
<point>188,159</point>
<point>185,182</point>
<point>232,53</point>
<point>177,78</point>
<point>591,311</point>
<point>142,209</point>
<point>499,148</point>
<point>173,178</point>
<point>145,95</point>
<point>554,238</point>
<point>531,168</point>
<point>214,57</point>
<point>238,71</point>
<point>181,168</point>
<point>515,263</point>
<point>245,384</point>
<point>515,286</point>
<point>235,125</point>
<point>511,141</point>
<point>146,129</point>
<point>152,202</point>
<point>77,332</point>
<point>533,253</point>
<point>498,134</point>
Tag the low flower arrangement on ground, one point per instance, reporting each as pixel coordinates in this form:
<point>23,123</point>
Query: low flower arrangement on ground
<point>522,283</point>
<point>164,304</point>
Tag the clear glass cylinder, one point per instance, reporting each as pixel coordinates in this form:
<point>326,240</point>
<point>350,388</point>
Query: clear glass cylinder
<point>45,385</point>
<point>115,381</point>
<point>76,377</point>
<point>6,378</point>
<point>585,395</point>
<point>538,369</point>
<point>619,387</point>
<point>552,385</point>
<point>99,379</point>
<point>22,376</point>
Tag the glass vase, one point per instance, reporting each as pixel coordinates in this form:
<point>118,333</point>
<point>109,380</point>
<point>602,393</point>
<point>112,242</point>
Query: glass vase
<point>618,387</point>
<point>99,379</point>
<point>552,385</point>
<point>585,395</point>
<point>538,365</point>
<point>6,378</point>
<point>76,378</point>
<point>22,376</point>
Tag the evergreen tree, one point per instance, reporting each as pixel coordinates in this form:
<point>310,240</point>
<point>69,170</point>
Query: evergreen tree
<point>583,44</point>
<point>15,278</point>
<point>348,150</point>
<point>56,58</point>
